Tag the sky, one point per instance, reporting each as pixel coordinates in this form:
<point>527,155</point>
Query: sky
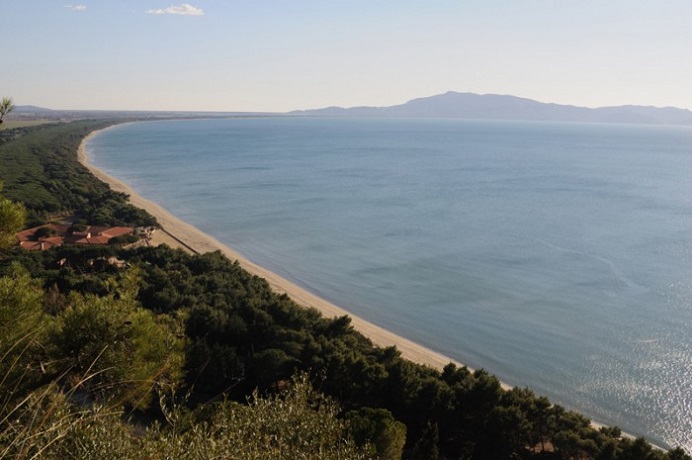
<point>282,55</point>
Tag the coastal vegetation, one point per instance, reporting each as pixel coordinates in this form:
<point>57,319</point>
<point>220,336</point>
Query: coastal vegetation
<point>40,170</point>
<point>179,355</point>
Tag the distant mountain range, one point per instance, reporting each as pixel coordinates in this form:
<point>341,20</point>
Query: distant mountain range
<point>447,105</point>
<point>501,107</point>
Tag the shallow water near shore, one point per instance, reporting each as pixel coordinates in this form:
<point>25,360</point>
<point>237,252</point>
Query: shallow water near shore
<point>557,256</point>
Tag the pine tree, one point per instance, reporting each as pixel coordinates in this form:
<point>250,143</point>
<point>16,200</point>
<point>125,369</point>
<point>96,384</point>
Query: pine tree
<point>426,446</point>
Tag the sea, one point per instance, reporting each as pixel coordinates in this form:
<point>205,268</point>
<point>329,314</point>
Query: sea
<point>557,256</point>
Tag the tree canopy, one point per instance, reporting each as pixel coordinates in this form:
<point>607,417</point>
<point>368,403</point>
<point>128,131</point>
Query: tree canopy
<point>41,171</point>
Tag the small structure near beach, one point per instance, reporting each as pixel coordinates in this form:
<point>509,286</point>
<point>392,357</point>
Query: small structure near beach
<point>53,235</point>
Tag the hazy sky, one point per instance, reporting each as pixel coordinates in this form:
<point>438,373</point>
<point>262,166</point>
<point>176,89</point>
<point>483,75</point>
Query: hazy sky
<point>267,55</point>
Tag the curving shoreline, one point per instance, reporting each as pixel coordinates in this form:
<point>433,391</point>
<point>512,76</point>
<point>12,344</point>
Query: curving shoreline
<point>178,233</point>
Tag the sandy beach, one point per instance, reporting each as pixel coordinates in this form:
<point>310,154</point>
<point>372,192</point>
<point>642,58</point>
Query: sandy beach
<point>177,233</point>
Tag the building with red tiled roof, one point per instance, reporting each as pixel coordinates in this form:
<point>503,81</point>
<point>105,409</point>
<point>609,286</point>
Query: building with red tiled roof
<point>52,235</point>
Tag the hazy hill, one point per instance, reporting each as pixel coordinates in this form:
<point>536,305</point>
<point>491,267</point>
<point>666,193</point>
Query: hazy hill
<point>501,107</point>
<point>29,109</point>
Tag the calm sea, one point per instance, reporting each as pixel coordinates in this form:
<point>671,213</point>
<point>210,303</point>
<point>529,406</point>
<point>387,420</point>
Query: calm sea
<point>556,256</point>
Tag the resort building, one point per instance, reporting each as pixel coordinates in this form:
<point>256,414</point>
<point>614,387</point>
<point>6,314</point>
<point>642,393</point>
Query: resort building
<point>52,235</point>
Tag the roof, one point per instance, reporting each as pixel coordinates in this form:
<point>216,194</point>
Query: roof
<point>92,235</point>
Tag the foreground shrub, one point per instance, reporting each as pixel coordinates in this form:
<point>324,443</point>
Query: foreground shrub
<point>296,424</point>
